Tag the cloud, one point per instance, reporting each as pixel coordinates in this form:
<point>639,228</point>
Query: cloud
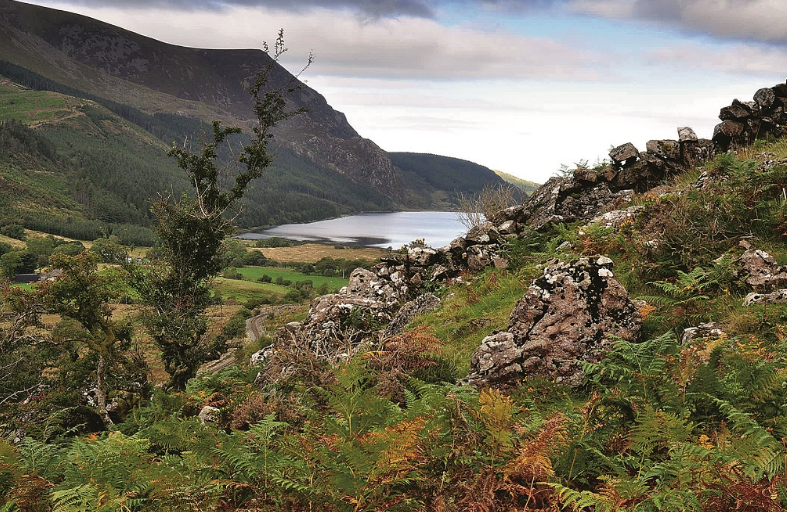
<point>740,59</point>
<point>367,9</point>
<point>344,46</point>
<point>747,20</point>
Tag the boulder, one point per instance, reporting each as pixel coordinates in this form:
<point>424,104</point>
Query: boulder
<point>565,199</point>
<point>420,305</point>
<point>617,218</point>
<point>625,153</point>
<point>686,134</point>
<point>665,149</point>
<point>570,314</point>
<point>763,272</point>
<point>765,98</point>
<point>209,414</point>
<point>704,330</point>
<point>776,297</point>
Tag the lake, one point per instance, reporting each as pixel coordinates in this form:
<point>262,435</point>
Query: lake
<point>373,229</point>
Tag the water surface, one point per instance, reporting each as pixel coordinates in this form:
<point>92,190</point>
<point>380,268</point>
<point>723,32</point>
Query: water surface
<point>373,229</point>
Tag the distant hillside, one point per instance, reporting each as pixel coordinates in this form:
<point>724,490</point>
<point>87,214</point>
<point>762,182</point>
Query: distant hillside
<point>436,173</point>
<point>528,187</point>
<point>324,168</point>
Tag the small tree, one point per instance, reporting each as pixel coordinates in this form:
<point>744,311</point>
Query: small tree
<point>477,209</point>
<point>191,231</point>
<point>84,295</point>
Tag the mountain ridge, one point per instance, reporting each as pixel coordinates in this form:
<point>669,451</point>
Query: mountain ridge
<point>127,72</point>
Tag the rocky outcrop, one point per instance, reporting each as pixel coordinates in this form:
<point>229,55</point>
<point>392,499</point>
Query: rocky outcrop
<point>569,314</point>
<point>743,122</point>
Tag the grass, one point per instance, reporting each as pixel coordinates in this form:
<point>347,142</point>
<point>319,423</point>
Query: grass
<point>312,253</point>
<point>31,106</point>
<point>473,312</point>
<point>255,273</point>
<point>247,292</point>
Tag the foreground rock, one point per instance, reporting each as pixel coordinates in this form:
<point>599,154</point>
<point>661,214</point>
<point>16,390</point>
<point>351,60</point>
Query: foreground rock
<point>571,313</point>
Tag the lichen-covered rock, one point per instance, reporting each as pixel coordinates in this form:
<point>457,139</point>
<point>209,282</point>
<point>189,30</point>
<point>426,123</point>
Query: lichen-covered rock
<point>617,218</point>
<point>624,153</point>
<point>704,330</point>
<point>686,134</point>
<point>419,306</point>
<point>763,272</point>
<point>569,314</point>
<point>209,414</point>
<point>776,297</point>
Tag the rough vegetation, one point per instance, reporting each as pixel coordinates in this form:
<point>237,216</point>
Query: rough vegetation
<point>617,342</point>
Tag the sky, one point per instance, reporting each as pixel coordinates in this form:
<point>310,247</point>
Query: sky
<point>521,86</point>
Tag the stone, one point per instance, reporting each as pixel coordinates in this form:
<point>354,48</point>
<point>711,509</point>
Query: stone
<point>483,234</point>
<point>695,153</point>
<point>686,134</point>
<point>617,218</point>
<point>572,313</point>
<point>665,149</point>
<point>625,153</point>
<point>209,414</point>
<point>780,90</point>
<point>497,358</point>
<point>585,174</point>
<point>763,272</point>
<point>508,227</point>
<point>776,297</point>
<point>737,110</point>
<point>765,98</point>
<point>478,258</point>
<point>421,256</point>
<point>642,175</point>
<point>704,330</point>
<point>410,311</point>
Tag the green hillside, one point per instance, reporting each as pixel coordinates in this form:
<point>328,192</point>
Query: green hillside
<point>528,187</point>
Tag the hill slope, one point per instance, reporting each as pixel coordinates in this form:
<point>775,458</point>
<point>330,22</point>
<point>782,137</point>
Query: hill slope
<point>324,167</point>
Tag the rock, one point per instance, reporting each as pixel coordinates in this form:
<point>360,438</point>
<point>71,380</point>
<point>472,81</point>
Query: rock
<point>763,272</point>
<point>734,112</point>
<point>765,298</point>
<point>705,330</point>
<point>497,358</point>
<point>780,90</point>
<point>260,357</point>
<point>585,174</point>
<point>694,153</point>
<point>569,314</point>
<point>765,98</point>
<point>625,153</point>
<point>483,234</point>
<point>643,174</point>
<point>617,218</point>
<point>508,227</point>
<point>209,414</point>
<point>665,149</point>
<point>422,304</point>
<point>421,256</point>
<point>478,258</point>
<point>566,200</point>
<point>686,134</point>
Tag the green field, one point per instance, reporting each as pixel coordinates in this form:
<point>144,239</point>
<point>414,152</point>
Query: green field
<point>255,273</point>
<point>30,106</point>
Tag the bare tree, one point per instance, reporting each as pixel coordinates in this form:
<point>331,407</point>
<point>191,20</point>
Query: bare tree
<point>476,209</point>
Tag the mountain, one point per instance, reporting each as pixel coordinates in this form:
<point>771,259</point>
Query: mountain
<point>324,167</point>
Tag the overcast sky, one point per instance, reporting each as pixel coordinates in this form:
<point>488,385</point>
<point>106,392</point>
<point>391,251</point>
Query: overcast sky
<point>522,86</point>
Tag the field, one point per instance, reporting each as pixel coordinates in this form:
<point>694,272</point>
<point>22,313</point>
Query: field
<point>312,253</point>
<point>255,273</point>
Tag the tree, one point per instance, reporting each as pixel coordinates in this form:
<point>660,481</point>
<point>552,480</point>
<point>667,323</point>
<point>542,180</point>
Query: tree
<point>84,295</point>
<point>191,231</point>
<point>477,209</point>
